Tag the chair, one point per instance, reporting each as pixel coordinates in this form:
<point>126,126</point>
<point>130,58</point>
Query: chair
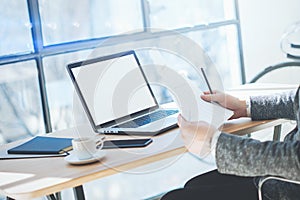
<point>290,48</point>
<point>289,43</point>
<point>267,71</point>
<point>263,180</point>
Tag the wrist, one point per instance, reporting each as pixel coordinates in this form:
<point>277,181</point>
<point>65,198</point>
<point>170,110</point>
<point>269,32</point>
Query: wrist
<point>213,143</point>
<point>244,108</point>
<point>248,107</point>
<point>214,139</point>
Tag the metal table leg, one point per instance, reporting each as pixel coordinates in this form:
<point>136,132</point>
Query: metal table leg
<point>58,195</point>
<point>51,197</point>
<point>79,193</point>
<point>277,132</point>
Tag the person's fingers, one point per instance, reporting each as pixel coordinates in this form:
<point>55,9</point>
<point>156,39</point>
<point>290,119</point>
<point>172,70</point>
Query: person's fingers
<point>213,92</point>
<point>207,97</point>
<point>217,97</point>
<point>206,92</point>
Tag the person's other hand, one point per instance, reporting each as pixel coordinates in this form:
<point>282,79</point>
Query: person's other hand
<point>227,101</point>
<point>197,136</point>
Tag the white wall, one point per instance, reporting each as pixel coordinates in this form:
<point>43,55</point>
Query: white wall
<point>262,23</point>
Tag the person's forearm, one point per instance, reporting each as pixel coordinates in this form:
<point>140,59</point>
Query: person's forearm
<point>248,157</point>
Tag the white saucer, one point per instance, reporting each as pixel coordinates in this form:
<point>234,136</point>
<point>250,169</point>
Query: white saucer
<point>72,159</point>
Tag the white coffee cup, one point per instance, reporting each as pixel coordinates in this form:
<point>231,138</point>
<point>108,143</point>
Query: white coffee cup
<point>86,147</point>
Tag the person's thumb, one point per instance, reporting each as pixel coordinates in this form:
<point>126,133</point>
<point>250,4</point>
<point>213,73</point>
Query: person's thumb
<point>181,120</point>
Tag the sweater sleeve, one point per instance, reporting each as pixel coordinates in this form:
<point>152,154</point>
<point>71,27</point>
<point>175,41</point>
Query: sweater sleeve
<point>248,157</point>
<point>273,106</point>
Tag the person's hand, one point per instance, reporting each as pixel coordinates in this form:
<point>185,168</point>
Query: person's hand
<point>197,136</point>
<point>227,101</point>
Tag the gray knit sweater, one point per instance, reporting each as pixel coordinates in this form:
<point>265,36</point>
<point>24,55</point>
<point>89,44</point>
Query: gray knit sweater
<point>248,157</point>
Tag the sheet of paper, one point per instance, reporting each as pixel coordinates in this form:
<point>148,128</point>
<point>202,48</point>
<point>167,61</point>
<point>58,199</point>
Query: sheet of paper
<point>193,108</point>
<point>208,112</point>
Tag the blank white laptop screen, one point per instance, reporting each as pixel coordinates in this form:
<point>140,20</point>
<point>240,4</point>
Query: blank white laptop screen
<point>113,88</point>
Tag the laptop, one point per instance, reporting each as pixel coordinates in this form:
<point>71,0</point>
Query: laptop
<point>117,97</point>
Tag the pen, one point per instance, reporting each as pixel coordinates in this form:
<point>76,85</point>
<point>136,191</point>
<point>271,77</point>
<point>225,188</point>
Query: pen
<point>208,85</point>
<point>206,80</point>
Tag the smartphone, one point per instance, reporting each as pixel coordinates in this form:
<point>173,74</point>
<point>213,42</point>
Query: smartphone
<point>130,143</point>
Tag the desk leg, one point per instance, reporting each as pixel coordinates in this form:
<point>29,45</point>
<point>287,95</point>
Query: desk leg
<point>277,132</point>
<point>58,195</point>
<point>79,193</point>
<point>51,197</point>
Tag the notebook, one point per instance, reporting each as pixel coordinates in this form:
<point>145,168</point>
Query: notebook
<point>43,145</point>
<point>117,97</point>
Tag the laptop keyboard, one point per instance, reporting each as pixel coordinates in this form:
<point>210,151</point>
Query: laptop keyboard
<point>146,119</point>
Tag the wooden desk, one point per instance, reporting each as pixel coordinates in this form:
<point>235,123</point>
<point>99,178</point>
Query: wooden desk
<point>244,126</point>
<point>32,178</point>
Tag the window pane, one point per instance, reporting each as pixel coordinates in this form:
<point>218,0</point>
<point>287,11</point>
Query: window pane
<point>60,89</point>
<point>221,45</point>
<point>65,20</point>
<point>15,28</point>
<point>153,59</point>
<point>172,14</point>
<point>20,110</point>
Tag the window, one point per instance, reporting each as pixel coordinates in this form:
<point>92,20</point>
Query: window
<point>15,28</point>
<point>218,43</point>
<point>173,14</point>
<point>20,110</point>
<point>60,89</point>
<point>40,37</point>
<point>66,21</point>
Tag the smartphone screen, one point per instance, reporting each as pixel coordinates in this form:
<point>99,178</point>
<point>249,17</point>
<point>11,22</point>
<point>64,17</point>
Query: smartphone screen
<point>130,143</point>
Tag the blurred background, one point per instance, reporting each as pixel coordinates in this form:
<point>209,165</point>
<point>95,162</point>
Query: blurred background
<point>39,38</point>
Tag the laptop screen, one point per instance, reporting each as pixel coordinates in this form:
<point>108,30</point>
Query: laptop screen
<point>113,87</point>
